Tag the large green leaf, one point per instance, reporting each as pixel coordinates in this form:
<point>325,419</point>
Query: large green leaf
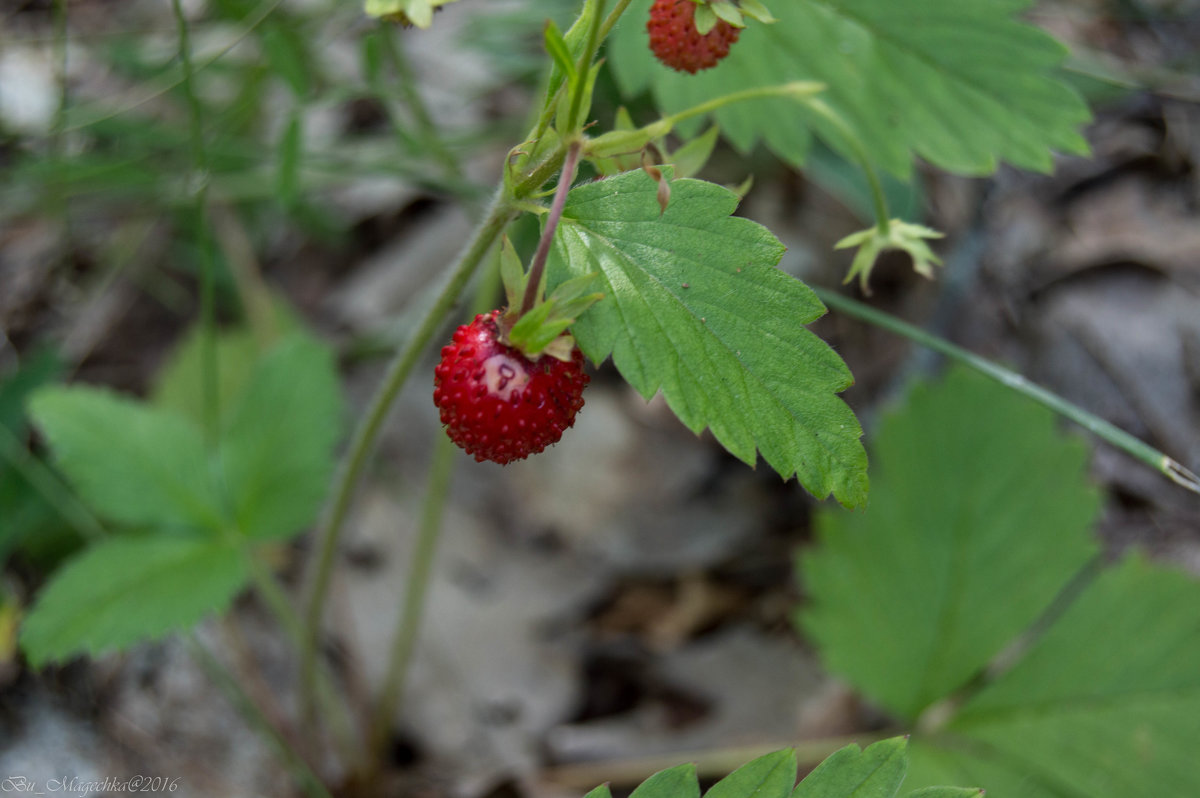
<point>980,514</point>
<point>277,451</point>
<point>695,307</point>
<point>129,589</point>
<point>1105,705</point>
<point>960,83</point>
<point>132,463</point>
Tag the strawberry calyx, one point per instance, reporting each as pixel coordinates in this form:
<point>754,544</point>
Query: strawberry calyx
<point>542,328</point>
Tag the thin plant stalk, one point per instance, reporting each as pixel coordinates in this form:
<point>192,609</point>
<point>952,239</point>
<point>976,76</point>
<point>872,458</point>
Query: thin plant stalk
<point>208,335</point>
<point>538,266</point>
<point>363,442</point>
<point>416,589</point>
<point>1136,448</point>
<point>301,771</point>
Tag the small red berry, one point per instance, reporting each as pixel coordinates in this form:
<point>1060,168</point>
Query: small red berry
<point>498,404</point>
<point>676,42</point>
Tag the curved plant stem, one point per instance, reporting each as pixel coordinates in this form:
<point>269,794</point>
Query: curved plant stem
<point>878,199</point>
<point>241,701</point>
<point>408,625</point>
<point>538,265</point>
<point>1136,448</point>
<point>368,430</point>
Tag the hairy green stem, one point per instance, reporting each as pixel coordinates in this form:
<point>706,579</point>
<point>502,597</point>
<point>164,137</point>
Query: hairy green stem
<point>308,781</point>
<point>1119,438</point>
<point>416,589</point>
<point>538,265</point>
<point>363,441</point>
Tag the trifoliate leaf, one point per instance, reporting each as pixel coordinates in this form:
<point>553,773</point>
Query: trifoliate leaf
<point>130,462</point>
<point>695,307</point>
<point>277,449</point>
<point>852,772</point>
<point>980,514</point>
<point>960,83</point>
<point>129,589</point>
<point>1106,704</point>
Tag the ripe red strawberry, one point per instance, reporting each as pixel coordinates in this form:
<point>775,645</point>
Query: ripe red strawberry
<point>498,404</point>
<point>676,42</point>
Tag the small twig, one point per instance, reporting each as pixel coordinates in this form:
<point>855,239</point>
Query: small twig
<point>1119,438</point>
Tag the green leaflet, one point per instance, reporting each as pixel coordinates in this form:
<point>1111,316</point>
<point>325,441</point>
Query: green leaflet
<point>131,463</point>
<point>1106,704</point>
<point>148,467</point>
<point>960,83</point>
<point>979,519</point>
<point>695,307</point>
<point>129,589</point>
<point>876,772</point>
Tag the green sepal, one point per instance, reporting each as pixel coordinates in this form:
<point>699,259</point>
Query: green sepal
<point>540,330</point>
<point>512,273</point>
<point>556,46</point>
<point>757,11</point>
<point>900,235</point>
<point>728,12</point>
<point>705,19</point>
<point>561,122</point>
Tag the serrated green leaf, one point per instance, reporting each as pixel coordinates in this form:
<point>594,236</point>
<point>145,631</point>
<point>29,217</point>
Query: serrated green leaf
<point>132,463</point>
<point>980,514</point>
<point>960,83</point>
<point>677,782</point>
<point>277,450</point>
<point>770,776</point>
<point>852,772</point>
<point>695,307</point>
<point>129,589</point>
<point>1106,704</point>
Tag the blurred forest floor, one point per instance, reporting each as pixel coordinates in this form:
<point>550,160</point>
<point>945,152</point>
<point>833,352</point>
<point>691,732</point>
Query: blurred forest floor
<point>630,591</point>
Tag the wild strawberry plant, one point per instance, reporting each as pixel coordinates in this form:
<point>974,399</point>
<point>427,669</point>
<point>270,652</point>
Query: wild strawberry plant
<point>649,267</point>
